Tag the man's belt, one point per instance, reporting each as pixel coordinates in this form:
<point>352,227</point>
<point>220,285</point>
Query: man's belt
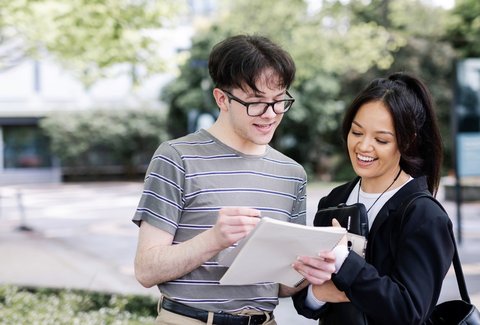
<point>218,318</point>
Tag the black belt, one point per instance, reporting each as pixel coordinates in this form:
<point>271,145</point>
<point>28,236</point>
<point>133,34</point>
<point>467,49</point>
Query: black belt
<point>218,318</point>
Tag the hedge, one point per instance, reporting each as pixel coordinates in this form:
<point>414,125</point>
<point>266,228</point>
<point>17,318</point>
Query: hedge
<point>26,305</point>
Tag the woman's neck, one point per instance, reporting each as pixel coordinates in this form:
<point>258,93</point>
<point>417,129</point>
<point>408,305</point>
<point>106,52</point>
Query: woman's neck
<point>375,185</point>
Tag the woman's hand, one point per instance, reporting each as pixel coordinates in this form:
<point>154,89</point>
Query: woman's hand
<point>344,240</point>
<point>316,270</point>
<point>328,292</point>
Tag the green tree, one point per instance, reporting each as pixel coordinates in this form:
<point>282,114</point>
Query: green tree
<point>190,92</point>
<point>324,47</point>
<point>91,38</point>
<point>464,28</point>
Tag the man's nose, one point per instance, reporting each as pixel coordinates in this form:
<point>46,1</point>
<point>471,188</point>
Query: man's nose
<point>269,112</point>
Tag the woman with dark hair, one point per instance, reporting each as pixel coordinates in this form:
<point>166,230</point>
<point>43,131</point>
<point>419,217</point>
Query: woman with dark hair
<point>395,148</point>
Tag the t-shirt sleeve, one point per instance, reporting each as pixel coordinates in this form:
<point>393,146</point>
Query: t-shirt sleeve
<point>299,213</point>
<point>162,198</point>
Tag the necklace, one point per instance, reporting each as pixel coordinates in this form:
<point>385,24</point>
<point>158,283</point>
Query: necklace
<point>378,198</point>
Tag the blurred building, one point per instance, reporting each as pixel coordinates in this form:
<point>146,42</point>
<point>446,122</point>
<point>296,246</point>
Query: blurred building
<point>32,89</point>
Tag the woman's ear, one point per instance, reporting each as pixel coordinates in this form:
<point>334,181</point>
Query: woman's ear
<point>221,99</point>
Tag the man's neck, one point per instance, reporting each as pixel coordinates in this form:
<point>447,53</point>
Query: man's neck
<point>232,140</point>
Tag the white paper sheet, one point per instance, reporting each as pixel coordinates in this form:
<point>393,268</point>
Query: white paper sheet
<point>267,253</point>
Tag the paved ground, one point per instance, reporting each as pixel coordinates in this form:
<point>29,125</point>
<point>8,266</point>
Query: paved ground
<point>82,237</point>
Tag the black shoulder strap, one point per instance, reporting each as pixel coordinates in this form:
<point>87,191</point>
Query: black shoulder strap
<point>456,258</point>
<point>399,216</point>
<point>408,202</point>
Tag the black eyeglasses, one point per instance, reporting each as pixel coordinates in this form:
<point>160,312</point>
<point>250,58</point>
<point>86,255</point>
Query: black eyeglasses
<point>259,108</point>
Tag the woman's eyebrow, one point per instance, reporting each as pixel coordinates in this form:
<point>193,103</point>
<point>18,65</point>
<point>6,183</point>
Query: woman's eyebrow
<point>386,132</point>
<point>381,131</point>
<point>357,124</point>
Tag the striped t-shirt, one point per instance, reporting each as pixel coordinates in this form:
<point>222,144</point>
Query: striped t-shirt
<point>188,180</point>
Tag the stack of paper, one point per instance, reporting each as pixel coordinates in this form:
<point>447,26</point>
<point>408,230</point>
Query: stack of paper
<point>267,253</point>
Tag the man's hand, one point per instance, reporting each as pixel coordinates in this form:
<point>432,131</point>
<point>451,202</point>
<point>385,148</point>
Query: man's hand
<point>233,224</point>
<point>158,261</point>
<point>286,291</point>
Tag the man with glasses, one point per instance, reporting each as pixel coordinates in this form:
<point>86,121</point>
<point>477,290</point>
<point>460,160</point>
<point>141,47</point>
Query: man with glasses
<point>206,191</point>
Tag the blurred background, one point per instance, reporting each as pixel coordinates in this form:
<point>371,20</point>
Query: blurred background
<point>89,88</point>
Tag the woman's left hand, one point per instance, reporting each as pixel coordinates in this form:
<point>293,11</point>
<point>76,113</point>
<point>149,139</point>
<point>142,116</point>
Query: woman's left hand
<point>316,270</point>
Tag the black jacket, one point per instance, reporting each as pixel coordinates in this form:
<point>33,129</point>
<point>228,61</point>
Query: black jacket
<point>400,279</point>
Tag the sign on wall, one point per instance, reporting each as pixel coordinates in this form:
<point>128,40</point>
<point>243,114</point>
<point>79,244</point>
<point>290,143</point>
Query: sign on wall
<point>467,117</point>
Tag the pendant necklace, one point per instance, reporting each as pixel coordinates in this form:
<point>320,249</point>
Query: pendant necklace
<point>378,198</point>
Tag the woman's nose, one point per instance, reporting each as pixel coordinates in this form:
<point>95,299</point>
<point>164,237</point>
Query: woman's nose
<point>365,144</point>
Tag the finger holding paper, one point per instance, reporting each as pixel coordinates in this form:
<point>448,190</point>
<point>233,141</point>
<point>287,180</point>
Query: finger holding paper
<point>272,247</point>
<point>234,223</point>
<point>316,269</point>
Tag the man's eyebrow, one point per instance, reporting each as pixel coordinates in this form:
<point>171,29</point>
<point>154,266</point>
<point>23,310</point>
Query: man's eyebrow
<point>259,94</point>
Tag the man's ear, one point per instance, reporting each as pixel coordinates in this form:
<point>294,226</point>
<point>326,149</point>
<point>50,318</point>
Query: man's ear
<point>221,99</point>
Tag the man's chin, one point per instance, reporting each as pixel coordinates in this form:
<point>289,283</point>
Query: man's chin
<point>263,140</point>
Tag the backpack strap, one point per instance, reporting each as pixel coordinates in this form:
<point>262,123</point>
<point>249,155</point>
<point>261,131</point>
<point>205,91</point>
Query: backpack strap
<point>456,258</point>
<point>408,202</point>
<point>400,214</point>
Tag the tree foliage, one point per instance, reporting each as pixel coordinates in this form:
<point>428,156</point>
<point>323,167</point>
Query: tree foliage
<point>338,50</point>
<point>463,31</point>
<point>88,37</point>
<point>324,47</point>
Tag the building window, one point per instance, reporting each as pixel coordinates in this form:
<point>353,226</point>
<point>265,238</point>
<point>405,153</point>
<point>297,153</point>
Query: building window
<point>25,147</point>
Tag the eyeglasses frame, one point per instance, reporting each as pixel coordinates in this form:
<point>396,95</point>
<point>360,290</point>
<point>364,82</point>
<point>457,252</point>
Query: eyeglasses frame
<point>272,104</point>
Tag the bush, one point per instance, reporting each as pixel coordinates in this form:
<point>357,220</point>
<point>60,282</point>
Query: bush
<point>103,141</point>
<point>67,306</point>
